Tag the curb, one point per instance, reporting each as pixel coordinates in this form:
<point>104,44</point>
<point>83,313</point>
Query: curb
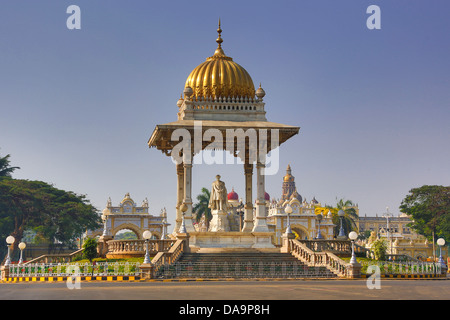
<point>138,279</point>
<point>73,278</point>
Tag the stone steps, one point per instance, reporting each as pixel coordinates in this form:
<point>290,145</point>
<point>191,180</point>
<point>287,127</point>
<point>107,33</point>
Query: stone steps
<point>241,265</point>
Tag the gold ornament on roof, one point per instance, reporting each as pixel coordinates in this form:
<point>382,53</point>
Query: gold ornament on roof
<point>220,76</point>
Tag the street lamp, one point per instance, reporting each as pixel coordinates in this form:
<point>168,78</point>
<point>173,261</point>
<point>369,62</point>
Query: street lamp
<point>341,214</point>
<point>164,227</point>
<point>353,235</point>
<point>240,211</point>
<point>183,209</point>
<point>9,241</point>
<point>440,243</point>
<point>288,211</point>
<point>146,235</point>
<point>319,218</point>
<point>387,215</point>
<point>22,246</point>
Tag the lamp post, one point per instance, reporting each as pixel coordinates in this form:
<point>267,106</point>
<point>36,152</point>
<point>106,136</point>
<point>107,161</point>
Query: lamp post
<point>105,221</point>
<point>22,246</point>
<point>319,218</point>
<point>440,243</point>
<point>240,212</point>
<point>9,241</point>
<point>183,209</point>
<point>387,215</point>
<point>164,227</point>
<point>341,214</point>
<point>352,236</point>
<point>288,211</point>
<point>146,235</point>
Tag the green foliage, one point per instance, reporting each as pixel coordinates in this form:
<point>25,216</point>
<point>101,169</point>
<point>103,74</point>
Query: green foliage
<point>129,235</point>
<point>379,248</point>
<point>349,219</point>
<point>201,207</point>
<point>5,169</point>
<point>90,249</point>
<point>55,215</point>
<point>429,208</point>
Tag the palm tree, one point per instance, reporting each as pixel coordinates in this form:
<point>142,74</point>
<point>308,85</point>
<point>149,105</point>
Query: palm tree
<point>201,208</point>
<point>5,169</point>
<point>348,220</point>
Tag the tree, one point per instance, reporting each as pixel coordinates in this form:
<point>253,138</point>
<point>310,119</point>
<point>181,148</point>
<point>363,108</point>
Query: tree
<point>56,215</point>
<point>201,208</point>
<point>90,249</point>
<point>348,220</point>
<point>5,169</point>
<point>429,208</point>
<point>379,248</point>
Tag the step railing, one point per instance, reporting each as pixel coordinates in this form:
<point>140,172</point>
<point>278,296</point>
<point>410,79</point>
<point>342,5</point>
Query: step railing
<point>313,258</point>
<point>337,247</point>
<point>55,258</point>
<point>169,257</point>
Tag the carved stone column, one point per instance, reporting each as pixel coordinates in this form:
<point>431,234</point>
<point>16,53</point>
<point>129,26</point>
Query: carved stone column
<point>248,206</point>
<point>180,196</point>
<point>260,224</point>
<point>188,196</point>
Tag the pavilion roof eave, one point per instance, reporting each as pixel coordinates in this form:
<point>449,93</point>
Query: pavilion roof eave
<point>160,137</point>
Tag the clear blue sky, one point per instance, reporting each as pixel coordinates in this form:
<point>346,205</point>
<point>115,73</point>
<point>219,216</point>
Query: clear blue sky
<point>78,106</point>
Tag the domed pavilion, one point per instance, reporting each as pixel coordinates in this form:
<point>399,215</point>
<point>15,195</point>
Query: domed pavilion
<point>219,96</point>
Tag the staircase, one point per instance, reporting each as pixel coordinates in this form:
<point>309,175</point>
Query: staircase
<point>243,265</point>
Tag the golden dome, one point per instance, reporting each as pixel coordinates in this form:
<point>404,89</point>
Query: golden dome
<point>288,177</point>
<point>220,76</point>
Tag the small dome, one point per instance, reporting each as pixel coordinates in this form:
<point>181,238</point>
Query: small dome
<point>296,195</point>
<point>180,102</point>
<point>266,196</point>
<point>260,93</point>
<point>233,196</point>
<point>288,177</point>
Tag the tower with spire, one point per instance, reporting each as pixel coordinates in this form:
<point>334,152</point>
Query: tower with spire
<point>289,189</point>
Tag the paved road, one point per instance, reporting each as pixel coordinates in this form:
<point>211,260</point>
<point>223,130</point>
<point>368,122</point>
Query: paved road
<point>235,290</point>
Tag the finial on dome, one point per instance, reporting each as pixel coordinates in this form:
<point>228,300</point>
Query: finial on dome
<point>219,52</point>
<point>219,39</point>
<point>260,93</point>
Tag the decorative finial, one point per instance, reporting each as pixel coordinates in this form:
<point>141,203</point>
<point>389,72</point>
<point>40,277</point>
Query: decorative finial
<point>219,39</point>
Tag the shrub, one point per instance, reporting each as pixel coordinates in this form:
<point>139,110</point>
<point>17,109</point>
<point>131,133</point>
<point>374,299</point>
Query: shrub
<point>90,249</point>
<point>379,248</point>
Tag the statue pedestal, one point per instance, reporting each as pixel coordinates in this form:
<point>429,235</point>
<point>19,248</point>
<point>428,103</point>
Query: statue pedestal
<point>231,240</point>
<point>219,221</point>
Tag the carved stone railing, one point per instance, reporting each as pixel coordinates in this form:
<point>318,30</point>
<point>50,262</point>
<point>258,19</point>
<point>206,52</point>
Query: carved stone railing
<point>55,258</point>
<point>312,258</point>
<point>169,257</point>
<point>131,248</point>
<point>339,247</point>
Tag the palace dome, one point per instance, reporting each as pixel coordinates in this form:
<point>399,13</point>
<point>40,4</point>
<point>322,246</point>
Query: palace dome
<point>288,177</point>
<point>266,196</point>
<point>220,76</point>
<point>233,196</point>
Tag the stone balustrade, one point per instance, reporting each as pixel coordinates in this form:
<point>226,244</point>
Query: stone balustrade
<point>118,249</point>
<point>315,258</point>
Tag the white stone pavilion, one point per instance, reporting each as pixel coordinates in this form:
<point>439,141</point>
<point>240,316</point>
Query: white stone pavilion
<point>219,97</point>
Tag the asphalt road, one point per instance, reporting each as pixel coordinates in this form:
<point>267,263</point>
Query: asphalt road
<point>390,289</point>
